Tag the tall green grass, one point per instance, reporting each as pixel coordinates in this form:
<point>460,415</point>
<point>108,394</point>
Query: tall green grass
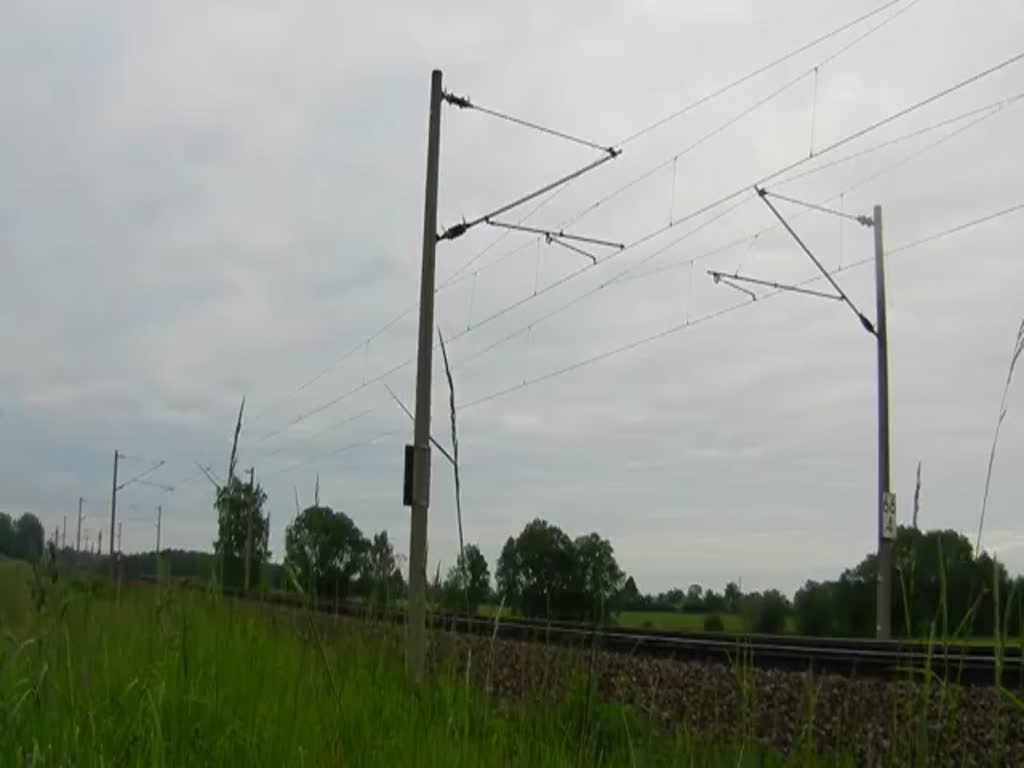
<point>14,593</point>
<point>95,676</point>
<point>152,677</point>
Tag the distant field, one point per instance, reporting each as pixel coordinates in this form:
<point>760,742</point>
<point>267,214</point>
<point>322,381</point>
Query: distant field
<point>492,610</point>
<point>681,622</point>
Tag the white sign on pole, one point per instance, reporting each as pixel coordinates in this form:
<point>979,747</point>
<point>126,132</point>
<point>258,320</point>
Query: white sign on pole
<point>889,516</point>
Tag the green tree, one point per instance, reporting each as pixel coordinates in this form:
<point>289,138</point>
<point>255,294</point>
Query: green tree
<point>694,599</point>
<point>986,573</point>
<point>478,575</point>
<point>938,581</point>
<point>537,572</point>
<point>468,583</point>
<point>542,572</point>
<point>326,549</point>
<point>945,582</point>
<point>767,612</point>
<point>397,588</point>
<point>854,608</point>
<point>733,594</point>
<point>28,537</point>
<point>7,538</point>
<point>629,598</point>
<point>240,506</point>
<point>380,568</point>
<point>600,577</point>
<point>714,602</point>
<point>814,608</point>
<point>674,600</point>
<point>713,623</point>
<point>509,573</point>
<point>1015,597</point>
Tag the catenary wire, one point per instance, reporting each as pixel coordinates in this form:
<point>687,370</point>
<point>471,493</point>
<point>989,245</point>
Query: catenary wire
<point>466,103</point>
<point>661,230</point>
<point>846,190</point>
<point>862,220</point>
<point>690,216</point>
<point>328,428</point>
<point>596,289</point>
<point>451,280</point>
<point>623,274</point>
<point>835,145</point>
<point>458,230</point>
<point>674,159</point>
<point>641,132</point>
<point>689,148</point>
<point>689,323</point>
<point>985,112</point>
<point>868,325</point>
<point>754,73</point>
<point>996,105</point>
<point>343,449</point>
<point>988,112</point>
<point>956,229</point>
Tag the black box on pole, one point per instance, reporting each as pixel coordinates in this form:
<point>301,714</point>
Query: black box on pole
<point>410,453</point>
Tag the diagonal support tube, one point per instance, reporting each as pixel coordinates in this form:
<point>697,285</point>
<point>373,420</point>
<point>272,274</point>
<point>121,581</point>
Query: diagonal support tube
<point>868,326</point>
<point>457,230</point>
<point>561,234</point>
<point>722,276</point>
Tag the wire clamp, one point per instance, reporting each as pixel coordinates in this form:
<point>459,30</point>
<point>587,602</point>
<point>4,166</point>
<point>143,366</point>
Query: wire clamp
<point>462,102</point>
<point>454,231</point>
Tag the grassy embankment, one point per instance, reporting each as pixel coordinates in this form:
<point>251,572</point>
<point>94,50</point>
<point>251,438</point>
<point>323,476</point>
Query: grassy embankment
<point>160,678</point>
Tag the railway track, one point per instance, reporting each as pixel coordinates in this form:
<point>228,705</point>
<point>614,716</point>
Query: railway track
<point>966,664</point>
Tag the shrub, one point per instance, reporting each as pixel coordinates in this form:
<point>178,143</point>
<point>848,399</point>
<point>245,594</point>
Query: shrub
<point>769,612</point>
<point>713,623</point>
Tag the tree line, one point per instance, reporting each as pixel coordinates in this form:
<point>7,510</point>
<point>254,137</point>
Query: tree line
<point>941,585</point>
<point>22,539</point>
<point>540,573</point>
<point>327,556</point>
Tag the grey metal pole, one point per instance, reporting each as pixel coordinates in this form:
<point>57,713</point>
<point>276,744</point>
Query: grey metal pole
<point>78,534</point>
<point>416,630</point>
<point>113,507</point>
<point>886,502</point>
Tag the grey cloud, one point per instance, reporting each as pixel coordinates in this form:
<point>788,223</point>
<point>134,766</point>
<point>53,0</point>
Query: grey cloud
<point>201,202</point>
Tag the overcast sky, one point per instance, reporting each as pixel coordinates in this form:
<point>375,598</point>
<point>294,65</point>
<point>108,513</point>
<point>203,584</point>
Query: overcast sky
<point>200,200</point>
